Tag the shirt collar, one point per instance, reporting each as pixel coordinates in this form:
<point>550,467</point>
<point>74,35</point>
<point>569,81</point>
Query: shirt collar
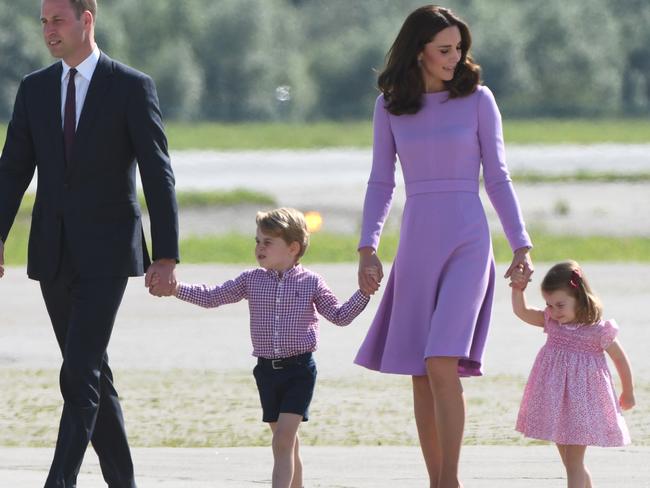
<point>295,269</point>
<point>86,68</point>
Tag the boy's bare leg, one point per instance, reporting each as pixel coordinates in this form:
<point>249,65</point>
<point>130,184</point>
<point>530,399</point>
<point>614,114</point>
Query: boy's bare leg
<point>285,434</point>
<point>297,465</point>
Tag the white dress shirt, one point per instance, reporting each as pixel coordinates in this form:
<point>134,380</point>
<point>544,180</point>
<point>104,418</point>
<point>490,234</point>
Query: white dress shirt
<point>82,79</point>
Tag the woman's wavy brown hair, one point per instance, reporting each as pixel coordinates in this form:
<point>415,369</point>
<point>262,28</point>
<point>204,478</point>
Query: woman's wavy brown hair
<point>569,277</point>
<point>401,81</point>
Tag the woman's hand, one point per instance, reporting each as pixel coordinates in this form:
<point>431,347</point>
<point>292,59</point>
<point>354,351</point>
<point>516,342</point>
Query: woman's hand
<point>521,261</point>
<point>370,271</point>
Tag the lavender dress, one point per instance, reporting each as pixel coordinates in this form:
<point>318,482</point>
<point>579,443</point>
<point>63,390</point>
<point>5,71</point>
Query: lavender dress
<point>438,298</point>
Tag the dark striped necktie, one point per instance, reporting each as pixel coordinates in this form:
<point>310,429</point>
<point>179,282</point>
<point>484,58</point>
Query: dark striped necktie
<point>70,116</point>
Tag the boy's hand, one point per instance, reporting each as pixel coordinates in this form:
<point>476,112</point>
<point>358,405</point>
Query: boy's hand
<point>155,280</point>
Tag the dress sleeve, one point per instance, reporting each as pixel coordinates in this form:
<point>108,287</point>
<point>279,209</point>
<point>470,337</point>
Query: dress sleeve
<point>495,172</point>
<point>547,320</point>
<point>381,184</point>
<point>608,334</point>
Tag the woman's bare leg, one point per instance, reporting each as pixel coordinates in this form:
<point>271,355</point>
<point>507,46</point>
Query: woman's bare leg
<point>449,403</point>
<point>425,419</point>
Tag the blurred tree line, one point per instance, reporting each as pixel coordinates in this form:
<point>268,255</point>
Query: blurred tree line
<point>238,60</point>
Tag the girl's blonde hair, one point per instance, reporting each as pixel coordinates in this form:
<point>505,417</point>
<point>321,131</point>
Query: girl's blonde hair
<point>287,223</point>
<point>568,277</point>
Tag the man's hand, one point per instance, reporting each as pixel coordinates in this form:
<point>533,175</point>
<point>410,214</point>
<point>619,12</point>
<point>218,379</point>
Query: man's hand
<point>165,282</point>
<point>2,258</point>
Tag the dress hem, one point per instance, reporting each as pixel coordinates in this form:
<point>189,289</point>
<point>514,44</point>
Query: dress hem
<point>574,443</point>
<point>462,372</point>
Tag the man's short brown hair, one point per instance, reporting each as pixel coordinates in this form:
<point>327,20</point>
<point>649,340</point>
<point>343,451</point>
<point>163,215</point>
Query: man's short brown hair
<point>80,6</point>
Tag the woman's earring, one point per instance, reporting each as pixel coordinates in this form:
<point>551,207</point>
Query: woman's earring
<point>420,61</point>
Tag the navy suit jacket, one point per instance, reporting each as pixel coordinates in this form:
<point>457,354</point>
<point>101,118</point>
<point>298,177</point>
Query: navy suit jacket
<point>92,201</point>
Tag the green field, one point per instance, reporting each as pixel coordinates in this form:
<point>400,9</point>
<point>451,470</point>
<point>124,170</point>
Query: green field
<point>334,248</point>
<point>331,248</point>
<point>315,135</point>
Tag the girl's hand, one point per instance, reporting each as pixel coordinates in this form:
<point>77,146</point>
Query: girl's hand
<point>518,279</point>
<point>521,260</point>
<point>370,271</point>
<point>627,401</point>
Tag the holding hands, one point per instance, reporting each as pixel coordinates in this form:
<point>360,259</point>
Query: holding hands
<point>518,279</point>
<point>370,271</point>
<point>521,269</point>
<point>156,288</point>
<point>161,278</point>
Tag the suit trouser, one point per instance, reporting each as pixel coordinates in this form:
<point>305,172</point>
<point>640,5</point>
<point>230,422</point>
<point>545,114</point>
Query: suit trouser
<point>82,311</point>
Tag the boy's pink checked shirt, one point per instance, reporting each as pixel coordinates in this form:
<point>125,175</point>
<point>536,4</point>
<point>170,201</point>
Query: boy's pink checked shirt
<point>283,316</point>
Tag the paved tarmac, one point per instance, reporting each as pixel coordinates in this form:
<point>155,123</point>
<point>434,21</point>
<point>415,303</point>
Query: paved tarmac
<point>340,467</point>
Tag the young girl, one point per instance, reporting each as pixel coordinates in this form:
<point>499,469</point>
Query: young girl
<point>283,298</point>
<point>569,398</point>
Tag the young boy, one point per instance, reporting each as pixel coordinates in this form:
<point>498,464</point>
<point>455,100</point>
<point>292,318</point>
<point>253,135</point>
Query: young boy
<point>283,299</point>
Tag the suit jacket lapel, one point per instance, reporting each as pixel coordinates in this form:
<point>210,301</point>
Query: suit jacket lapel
<point>99,84</point>
<point>53,111</point>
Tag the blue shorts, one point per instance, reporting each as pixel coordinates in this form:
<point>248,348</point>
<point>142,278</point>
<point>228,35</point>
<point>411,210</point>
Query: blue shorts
<point>285,385</point>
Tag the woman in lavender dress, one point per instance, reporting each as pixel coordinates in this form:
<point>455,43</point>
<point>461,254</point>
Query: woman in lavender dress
<point>434,316</point>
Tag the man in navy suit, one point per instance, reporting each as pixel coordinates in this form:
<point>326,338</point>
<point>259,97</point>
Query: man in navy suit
<point>84,122</point>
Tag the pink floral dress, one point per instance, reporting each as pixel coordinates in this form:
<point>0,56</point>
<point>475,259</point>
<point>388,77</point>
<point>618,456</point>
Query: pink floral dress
<point>570,396</point>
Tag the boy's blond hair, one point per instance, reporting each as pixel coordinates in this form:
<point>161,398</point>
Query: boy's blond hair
<point>287,223</point>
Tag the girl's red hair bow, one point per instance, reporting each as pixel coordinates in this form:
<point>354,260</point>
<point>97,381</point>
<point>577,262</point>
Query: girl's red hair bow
<point>576,278</point>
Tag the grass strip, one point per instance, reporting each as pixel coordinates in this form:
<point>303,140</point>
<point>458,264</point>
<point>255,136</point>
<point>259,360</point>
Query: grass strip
<point>581,177</point>
<point>337,248</point>
<point>315,135</point>
<point>204,408</point>
<point>251,136</point>
<point>333,248</point>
